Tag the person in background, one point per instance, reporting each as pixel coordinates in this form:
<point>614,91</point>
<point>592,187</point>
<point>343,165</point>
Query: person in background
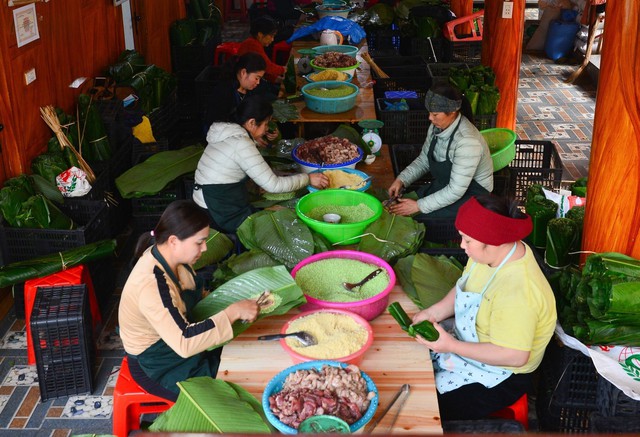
<point>262,33</point>
<point>454,152</point>
<point>231,158</point>
<point>504,310</point>
<point>162,345</point>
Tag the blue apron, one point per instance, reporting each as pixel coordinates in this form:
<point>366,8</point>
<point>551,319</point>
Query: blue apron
<point>453,371</point>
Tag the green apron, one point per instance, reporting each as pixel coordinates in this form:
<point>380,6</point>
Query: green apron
<point>228,204</point>
<point>161,363</point>
<point>441,172</point>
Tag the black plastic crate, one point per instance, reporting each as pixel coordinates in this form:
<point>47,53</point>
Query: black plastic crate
<point>431,49</point>
<point>482,122</point>
<point>419,84</point>
<point>164,119</point>
<point>403,71</point>
<point>599,424</point>
<point>205,83</point>
<point>469,52</point>
<point>92,219</point>
<point>567,390</point>
<point>141,151</point>
<point>146,211</point>
<point>403,126</point>
<point>440,230</point>
<point>456,252</point>
<point>110,112</point>
<point>63,341</point>
<point>613,402</point>
<point>195,57</point>
<point>385,62</point>
<point>383,38</point>
<point>536,162</point>
<point>441,70</point>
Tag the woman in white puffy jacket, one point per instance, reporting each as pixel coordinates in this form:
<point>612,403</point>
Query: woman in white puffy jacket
<point>231,157</point>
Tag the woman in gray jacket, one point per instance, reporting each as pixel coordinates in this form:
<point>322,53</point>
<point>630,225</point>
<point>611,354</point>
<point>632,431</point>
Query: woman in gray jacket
<point>454,152</point>
<point>231,158</point>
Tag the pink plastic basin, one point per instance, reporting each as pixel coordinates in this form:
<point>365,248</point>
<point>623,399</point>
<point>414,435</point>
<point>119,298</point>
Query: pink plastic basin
<point>354,358</point>
<point>370,308</point>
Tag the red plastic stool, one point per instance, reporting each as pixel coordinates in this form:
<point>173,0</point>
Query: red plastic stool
<point>73,276</point>
<point>281,47</point>
<point>518,411</point>
<point>130,401</point>
<point>472,23</point>
<point>226,50</point>
<point>230,12</point>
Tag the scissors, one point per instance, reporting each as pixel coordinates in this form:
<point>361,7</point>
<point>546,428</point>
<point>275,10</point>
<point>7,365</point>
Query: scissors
<point>390,201</point>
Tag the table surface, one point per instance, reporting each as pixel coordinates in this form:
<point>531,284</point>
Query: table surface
<point>393,359</point>
<point>364,108</point>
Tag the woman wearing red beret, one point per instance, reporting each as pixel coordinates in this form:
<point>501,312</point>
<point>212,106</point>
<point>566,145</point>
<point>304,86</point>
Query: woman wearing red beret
<point>504,312</point>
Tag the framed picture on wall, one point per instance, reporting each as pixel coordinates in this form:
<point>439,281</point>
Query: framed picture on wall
<point>26,24</point>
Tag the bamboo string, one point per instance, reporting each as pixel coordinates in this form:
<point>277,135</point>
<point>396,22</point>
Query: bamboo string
<point>48,114</point>
<point>373,65</point>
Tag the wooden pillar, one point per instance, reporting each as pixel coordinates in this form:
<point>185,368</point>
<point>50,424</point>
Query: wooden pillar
<point>502,51</point>
<point>612,220</point>
<point>462,8</point>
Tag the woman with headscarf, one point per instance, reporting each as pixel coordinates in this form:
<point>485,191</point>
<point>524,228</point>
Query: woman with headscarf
<point>454,152</point>
<point>504,311</point>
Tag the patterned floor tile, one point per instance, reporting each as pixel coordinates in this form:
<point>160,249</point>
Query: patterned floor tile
<point>21,375</point>
<point>88,407</point>
<point>14,340</point>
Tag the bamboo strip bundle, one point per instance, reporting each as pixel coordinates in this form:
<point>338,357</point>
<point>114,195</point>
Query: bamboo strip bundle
<point>375,67</point>
<point>50,117</point>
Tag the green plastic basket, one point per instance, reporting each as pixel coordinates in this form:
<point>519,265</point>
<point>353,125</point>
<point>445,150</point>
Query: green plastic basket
<point>501,143</point>
<point>342,233</point>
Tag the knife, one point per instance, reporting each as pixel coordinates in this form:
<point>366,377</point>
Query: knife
<point>400,396</point>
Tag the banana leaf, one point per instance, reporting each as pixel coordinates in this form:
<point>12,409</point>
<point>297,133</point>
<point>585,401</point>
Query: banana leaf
<point>218,247</point>
<point>154,174</point>
<point>46,188</point>
<point>239,264</point>
<point>395,237</point>
<point>183,32</point>
<point>612,264</point>
<point>605,333</point>
<point>541,211</point>
<point>459,78</point>
<point>11,200</point>
<point>95,144</point>
<point>39,267</point>
<point>472,95</point>
<point>348,133</point>
<point>613,297</point>
<point>129,63</point>
<point>276,279</point>
<point>432,277</point>
<point>40,213</point>
<point>207,405</point>
<point>562,237</point>
<point>488,100</point>
<point>49,165</point>
<point>280,234</point>
<point>402,268</point>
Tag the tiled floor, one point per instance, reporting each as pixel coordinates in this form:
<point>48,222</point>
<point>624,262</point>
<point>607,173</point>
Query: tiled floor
<point>549,109</point>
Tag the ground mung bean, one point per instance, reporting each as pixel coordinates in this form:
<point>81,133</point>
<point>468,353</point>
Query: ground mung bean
<point>339,91</point>
<point>323,280</point>
<point>337,335</point>
<point>349,214</point>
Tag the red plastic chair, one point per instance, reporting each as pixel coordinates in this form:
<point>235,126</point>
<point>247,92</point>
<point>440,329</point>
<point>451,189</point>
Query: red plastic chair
<point>279,48</point>
<point>130,401</point>
<point>471,22</point>
<point>226,50</point>
<point>518,411</point>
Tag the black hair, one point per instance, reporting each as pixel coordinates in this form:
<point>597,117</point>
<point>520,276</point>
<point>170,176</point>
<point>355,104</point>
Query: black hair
<point>265,25</point>
<point>453,93</point>
<point>250,61</point>
<point>501,205</point>
<point>257,107</point>
<point>182,218</point>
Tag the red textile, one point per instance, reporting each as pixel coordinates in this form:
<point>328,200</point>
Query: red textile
<point>253,45</point>
<point>489,227</point>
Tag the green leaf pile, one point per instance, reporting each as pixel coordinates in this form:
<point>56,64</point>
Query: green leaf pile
<point>401,236</point>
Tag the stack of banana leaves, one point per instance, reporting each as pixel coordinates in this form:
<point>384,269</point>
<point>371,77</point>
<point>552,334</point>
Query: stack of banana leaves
<point>478,85</point>
<point>541,211</point>
<point>392,237</point>
<point>95,144</point>
<point>153,86</point>
<point>28,202</point>
<point>129,63</point>
<point>564,237</point>
<point>600,305</point>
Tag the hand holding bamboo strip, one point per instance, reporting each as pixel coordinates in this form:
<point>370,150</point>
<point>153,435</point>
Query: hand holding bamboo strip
<point>50,117</point>
<point>373,65</point>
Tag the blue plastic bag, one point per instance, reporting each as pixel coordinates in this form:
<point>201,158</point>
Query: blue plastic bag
<point>345,26</point>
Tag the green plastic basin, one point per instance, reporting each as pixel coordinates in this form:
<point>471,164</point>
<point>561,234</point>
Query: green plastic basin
<point>501,144</point>
<point>342,233</point>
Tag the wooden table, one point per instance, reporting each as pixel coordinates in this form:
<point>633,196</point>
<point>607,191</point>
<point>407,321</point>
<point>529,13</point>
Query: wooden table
<point>365,103</point>
<point>393,359</point>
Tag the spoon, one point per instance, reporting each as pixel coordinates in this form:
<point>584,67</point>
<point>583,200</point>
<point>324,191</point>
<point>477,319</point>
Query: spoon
<point>349,286</point>
<point>303,337</point>
<point>359,184</point>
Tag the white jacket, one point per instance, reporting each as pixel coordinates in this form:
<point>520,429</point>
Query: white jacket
<point>230,155</point>
<point>470,158</point>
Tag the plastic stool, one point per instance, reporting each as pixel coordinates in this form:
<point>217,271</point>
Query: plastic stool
<point>519,411</point>
<point>230,12</point>
<point>226,50</point>
<point>279,48</point>
<point>73,276</point>
<point>130,401</point>
<point>473,22</point>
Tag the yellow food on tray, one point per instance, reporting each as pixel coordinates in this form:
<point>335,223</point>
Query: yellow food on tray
<point>339,178</point>
<point>328,75</point>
